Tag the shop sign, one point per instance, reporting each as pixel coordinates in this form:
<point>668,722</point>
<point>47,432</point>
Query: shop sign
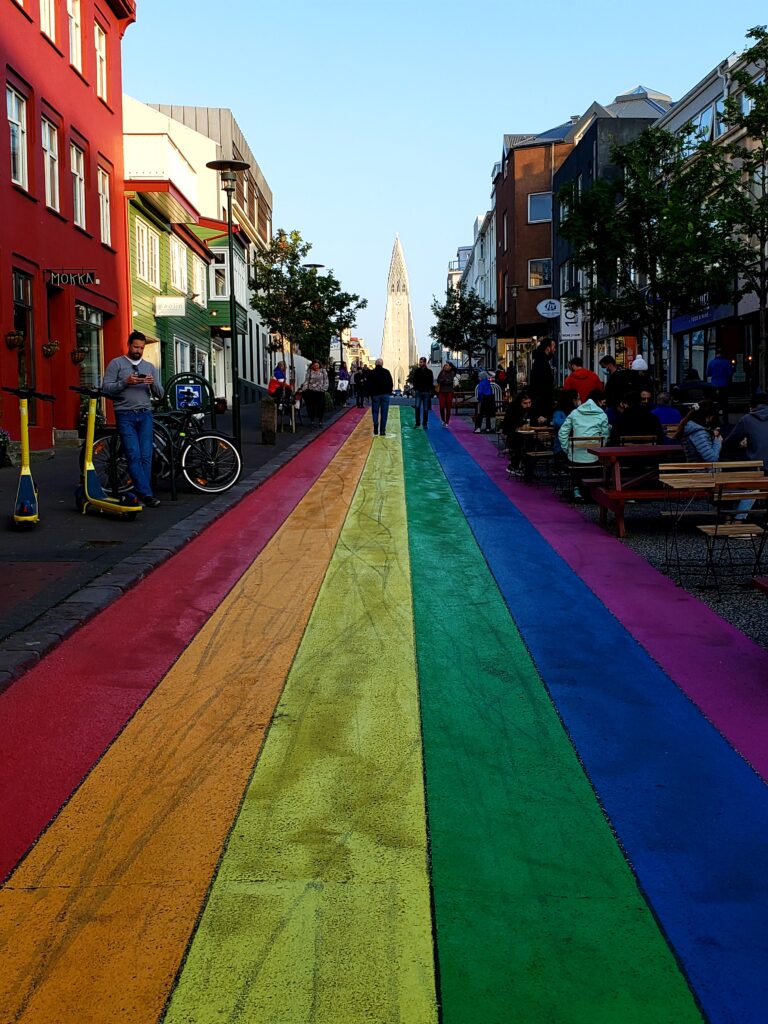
<point>570,324</point>
<point>549,308</point>
<point>170,305</point>
<point>60,278</point>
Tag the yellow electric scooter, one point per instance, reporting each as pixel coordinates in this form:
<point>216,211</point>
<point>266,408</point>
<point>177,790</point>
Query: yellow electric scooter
<point>26,512</point>
<point>90,493</point>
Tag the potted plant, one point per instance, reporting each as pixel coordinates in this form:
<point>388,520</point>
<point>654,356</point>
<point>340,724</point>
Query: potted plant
<point>14,339</point>
<point>77,355</point>
<point>50,348</point>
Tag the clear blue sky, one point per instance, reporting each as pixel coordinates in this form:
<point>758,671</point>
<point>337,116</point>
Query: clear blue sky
<point>373,118</point>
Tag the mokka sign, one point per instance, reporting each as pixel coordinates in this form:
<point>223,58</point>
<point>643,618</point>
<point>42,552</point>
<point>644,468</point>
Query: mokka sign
<point>59,278</point>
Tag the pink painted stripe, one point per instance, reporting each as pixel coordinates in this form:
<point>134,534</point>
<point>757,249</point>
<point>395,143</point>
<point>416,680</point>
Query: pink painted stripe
<point>57,720</point>
<point>722,671</point>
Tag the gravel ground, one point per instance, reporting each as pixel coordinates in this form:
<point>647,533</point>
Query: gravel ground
<point>744,606</point>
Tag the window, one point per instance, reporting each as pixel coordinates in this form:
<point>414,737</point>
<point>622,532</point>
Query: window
<point>183,356</point>
<point>100,39</point>
<point>504,231</point>
<point>178,263</point>
<point>77,168</point>
<point>147,254</point>
<point>219,276</point>
<point>104,213</point>
<point>50,140</point>
<point>565,277</point>
<point>539,273</point>
<point>17,122</point>
<point>198,281</point>
<point>721,125</point>
<point>505,285</point>
<point>89,335</point>
<point>48,18</point>
<point>75,34</point>
<point>539,207</point>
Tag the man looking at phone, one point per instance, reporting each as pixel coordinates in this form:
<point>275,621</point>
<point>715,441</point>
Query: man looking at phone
<point>131,382</point>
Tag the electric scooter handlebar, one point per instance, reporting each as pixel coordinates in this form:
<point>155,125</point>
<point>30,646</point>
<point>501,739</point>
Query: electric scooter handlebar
<point>91,392</point>
<point>30,393</point>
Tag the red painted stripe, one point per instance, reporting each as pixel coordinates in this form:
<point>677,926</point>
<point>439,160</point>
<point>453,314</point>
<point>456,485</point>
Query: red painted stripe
<point>57,720</point>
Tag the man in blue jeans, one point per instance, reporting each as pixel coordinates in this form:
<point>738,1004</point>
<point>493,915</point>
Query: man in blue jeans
<point>423,388</point>
<point>131,382</point>
<point>380,389</point>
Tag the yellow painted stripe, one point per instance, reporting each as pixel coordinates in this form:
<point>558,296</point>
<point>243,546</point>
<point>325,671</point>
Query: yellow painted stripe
<point>320,911</point>
<point>94,923</point>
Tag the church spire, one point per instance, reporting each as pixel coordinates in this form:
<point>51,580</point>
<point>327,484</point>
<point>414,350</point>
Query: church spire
<point>398,345</point>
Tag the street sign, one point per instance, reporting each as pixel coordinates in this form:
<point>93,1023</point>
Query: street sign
<point>549,308</point>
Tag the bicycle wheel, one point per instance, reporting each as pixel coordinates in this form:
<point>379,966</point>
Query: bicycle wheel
<point>103,448</point>
<point>211,463</point>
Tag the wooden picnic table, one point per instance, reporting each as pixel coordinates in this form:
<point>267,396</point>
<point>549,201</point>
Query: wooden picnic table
<point>630,473</point>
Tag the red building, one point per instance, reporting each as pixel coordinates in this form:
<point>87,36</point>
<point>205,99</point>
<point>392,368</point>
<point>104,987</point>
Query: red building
<point>64,287</point>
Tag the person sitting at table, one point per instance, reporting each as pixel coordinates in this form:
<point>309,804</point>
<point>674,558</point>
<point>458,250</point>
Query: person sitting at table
<point>586,420</point>
<point>699,433</point>
<point>664,411</point>
<point>636,421</point>
<point>751,432</point>
<point>486,404</point>
<point>278,385</point>
<point>520,413</point>
<point>567,401</point>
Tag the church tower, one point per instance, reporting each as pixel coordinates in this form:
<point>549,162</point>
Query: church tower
<point>398,345</point>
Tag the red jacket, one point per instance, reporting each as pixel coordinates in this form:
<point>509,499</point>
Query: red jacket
<point>584,381</point>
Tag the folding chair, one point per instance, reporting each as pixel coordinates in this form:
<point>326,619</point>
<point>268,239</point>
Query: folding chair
<point>736,540</point>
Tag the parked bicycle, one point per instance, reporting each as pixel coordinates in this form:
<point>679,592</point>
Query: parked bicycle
<point>181,444</point>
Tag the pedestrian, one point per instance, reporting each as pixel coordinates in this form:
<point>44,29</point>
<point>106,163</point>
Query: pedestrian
<point>359,382</point>
<point>582,380</point>
<point>380,388</point>
<point>131,382</point>
<point>720,373</point>
<point>314,390</point>
<point>617,382</point>
<point>542,382</point>
<point>640,378</point>
<point>423,388</point>
<point>445,388</point>
<point>486,404</point>
<point>330,369</point>
<point>342,385</point>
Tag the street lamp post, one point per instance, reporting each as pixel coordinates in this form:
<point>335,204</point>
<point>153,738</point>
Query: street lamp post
<point>228,170</point>
<point>512,289</point>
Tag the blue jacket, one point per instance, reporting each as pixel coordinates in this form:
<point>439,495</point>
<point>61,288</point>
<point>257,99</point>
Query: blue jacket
<point>720,371</point>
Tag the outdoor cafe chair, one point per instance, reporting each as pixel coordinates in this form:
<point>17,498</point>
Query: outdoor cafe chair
<point>735,545</point>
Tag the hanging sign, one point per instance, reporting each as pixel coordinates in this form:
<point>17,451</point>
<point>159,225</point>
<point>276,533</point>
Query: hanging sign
<point>170,305</point>
<point>549,308</point>
<point>570,324</point>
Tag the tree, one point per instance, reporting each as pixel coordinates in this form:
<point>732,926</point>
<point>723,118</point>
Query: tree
<point>339,307</point>
<point>656,239</point>
<point>279,283</point>
<point>746,111</point>
<point>463,323</point>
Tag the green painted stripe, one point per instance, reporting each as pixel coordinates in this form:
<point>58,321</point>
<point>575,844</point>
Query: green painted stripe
<point>321,909</point>
<point>538,917</point>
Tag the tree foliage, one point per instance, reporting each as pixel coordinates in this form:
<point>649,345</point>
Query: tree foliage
<point>656,238</point>
<point>463,323</point>
<point>301,308</point>
<point>746,113</point>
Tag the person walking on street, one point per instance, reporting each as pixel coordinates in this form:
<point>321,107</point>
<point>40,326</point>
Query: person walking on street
<point>445,388</point>
<point>380,387</point>
<point>131,382</point>
<point>423,387</point>
<point>486,404</point>
<point>342,385</point>
<point>542,382</point>
<point>720,373</point>
<point>314,388</point>
<point>359,382</point>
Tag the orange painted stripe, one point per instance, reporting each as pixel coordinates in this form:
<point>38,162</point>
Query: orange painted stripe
<point>95,922</point>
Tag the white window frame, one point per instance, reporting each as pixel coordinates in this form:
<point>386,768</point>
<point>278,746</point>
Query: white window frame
<point>100,43</point>
<point>75,34</point>
<point>142,249</point>
<point>182,355</point>
<point>77,175</point>
<point>539,220</point>
<point>49,139</point>
<point>105,216</point>
<point>540,259</point>
<point>220,262</point>
<point>178,261</point>
<point>199,281</point>
<point>48,19</point>
<point>153,258</point>
<point>16,106</point>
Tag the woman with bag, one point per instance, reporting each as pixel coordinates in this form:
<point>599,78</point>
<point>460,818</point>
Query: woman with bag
<point>314,388</point>
<point>342,385</point>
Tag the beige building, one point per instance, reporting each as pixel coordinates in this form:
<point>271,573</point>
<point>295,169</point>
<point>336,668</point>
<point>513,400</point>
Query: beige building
<point>398,344</point>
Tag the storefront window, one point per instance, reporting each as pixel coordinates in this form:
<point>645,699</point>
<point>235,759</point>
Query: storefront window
<point>89,329</point>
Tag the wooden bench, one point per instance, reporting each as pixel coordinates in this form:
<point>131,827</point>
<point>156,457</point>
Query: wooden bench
<point>614,501</point>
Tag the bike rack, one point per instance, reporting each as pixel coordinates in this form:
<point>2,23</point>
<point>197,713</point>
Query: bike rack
<point>188,377</point>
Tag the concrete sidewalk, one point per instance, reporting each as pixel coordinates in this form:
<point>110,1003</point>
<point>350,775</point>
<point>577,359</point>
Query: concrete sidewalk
<point>58,574</point>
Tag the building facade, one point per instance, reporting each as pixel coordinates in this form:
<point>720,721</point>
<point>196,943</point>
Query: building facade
<point>63,276</point>
<point>398,345</point>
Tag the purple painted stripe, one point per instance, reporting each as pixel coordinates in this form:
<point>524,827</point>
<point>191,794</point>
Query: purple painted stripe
<point>723,672</point>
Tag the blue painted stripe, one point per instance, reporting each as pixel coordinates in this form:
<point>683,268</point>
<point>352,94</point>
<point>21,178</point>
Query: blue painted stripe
<point>690,814</point>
